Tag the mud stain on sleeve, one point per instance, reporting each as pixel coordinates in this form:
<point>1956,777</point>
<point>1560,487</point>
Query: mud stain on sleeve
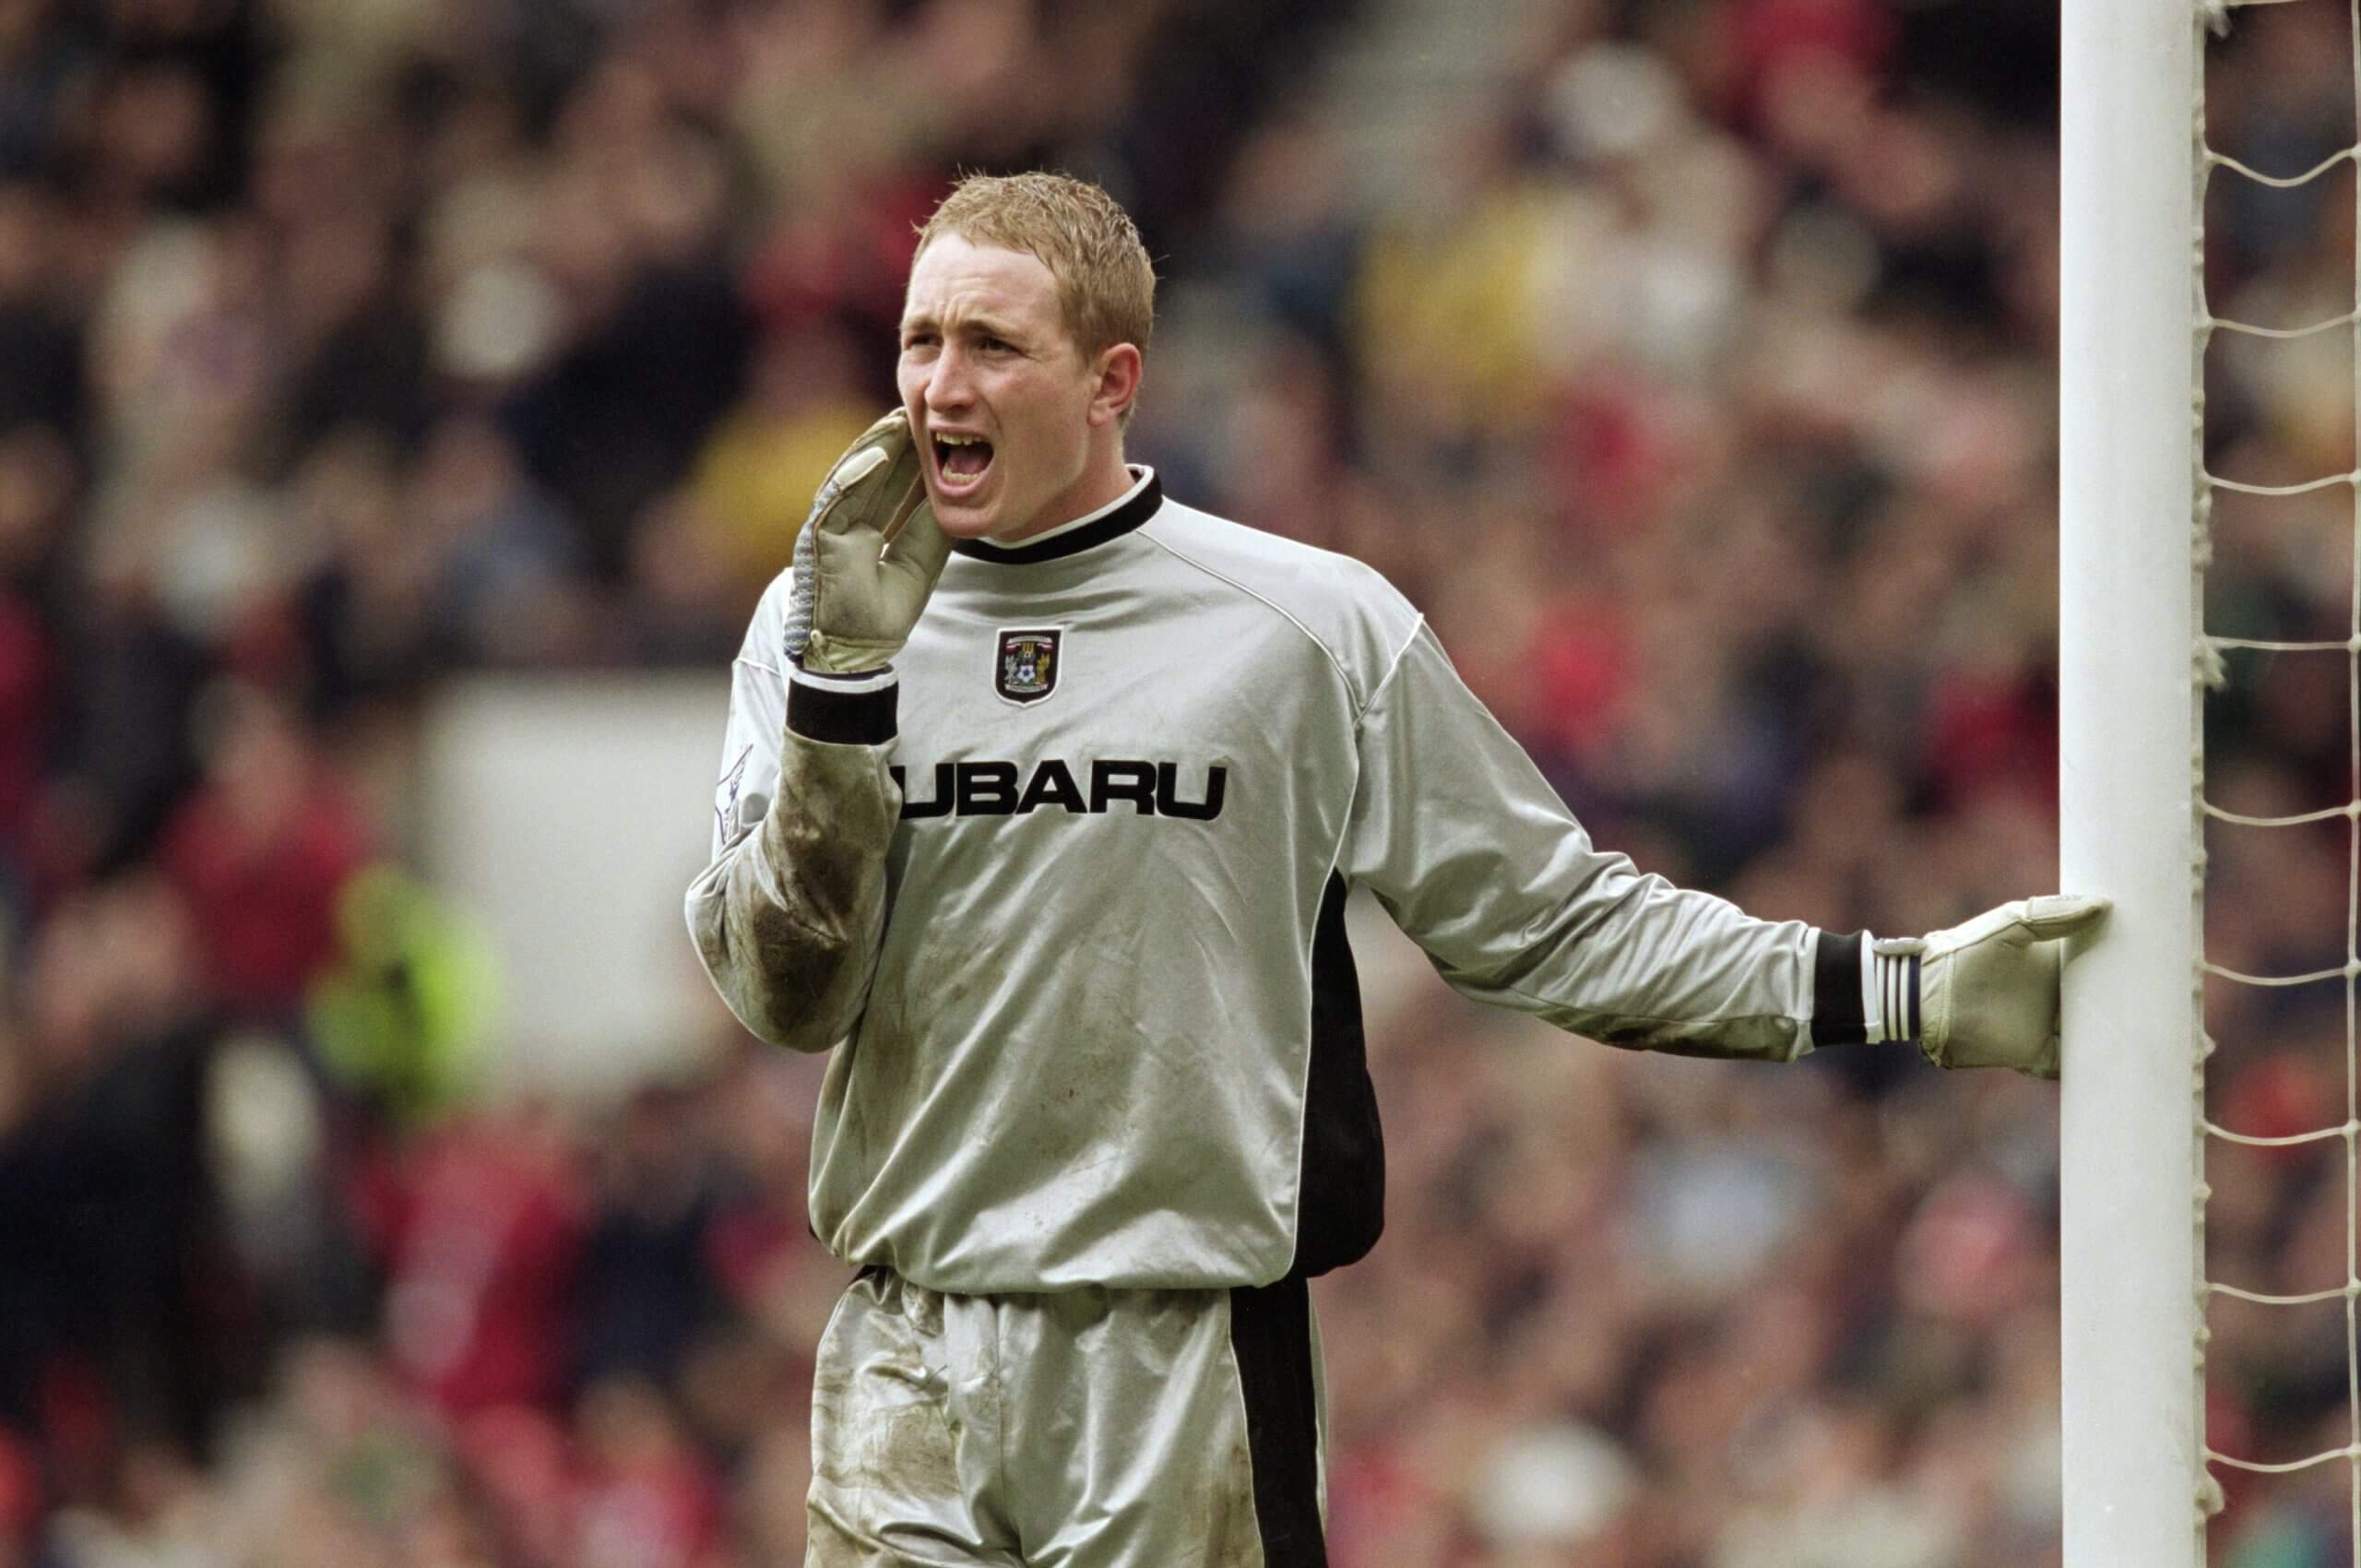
<point>804,905</point>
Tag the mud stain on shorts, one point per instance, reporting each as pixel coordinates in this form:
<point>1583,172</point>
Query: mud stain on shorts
<point>1233,1537</point>
<point>910,1451</point>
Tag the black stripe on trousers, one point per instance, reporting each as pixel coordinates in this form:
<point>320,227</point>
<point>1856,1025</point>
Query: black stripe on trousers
<point>1270,1334</point>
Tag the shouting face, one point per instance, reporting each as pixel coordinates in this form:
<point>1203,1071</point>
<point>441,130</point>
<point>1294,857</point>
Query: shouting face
<point>1019,429</point>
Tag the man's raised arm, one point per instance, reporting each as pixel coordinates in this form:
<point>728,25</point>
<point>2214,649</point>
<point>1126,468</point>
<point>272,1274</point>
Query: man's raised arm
<point>788,917</point>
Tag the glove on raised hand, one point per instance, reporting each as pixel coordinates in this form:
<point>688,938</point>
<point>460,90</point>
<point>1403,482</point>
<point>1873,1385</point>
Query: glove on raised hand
<point>1988,991</point>
<point>860,581</point>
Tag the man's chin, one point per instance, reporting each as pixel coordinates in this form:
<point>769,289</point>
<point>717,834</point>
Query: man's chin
<point>965,522</point>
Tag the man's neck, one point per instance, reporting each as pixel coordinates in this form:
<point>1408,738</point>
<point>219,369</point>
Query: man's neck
<point>1106,481</point>
<point>1133,477</point>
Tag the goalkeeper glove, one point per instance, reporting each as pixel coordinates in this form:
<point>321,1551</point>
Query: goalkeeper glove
<point>859,580</point>
<point>1986,994</point>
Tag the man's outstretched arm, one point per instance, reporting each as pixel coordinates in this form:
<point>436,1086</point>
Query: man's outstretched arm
<point>1478,859</point>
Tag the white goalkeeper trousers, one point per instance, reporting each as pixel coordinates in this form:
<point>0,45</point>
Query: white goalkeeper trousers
<point>1083,1428</point>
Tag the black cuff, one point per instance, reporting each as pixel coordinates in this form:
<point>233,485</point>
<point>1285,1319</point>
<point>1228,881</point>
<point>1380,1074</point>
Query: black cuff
<point>842,718</point>
<point>1836,1016</point>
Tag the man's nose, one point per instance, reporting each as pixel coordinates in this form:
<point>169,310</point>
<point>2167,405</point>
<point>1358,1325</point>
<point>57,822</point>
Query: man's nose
<point>947,384</point>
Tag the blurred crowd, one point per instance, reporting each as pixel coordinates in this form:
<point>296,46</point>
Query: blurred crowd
<point>1697,378</point>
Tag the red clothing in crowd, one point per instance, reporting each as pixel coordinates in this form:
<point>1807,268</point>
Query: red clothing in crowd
<point>264,901</point>
<point>484,1231</point>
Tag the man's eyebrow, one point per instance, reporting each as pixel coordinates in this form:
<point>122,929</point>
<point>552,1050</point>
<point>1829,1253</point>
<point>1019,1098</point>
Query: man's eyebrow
<point>983,323</point>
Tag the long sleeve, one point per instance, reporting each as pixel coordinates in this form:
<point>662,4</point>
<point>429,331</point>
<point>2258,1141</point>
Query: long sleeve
<point>788,917</point>
<point>1480,864</point>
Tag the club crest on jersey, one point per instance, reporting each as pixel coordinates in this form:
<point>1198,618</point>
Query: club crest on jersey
<point>1026,667</point>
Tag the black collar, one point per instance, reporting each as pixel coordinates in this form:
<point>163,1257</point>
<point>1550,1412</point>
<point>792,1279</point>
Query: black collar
<point>1138,509</point>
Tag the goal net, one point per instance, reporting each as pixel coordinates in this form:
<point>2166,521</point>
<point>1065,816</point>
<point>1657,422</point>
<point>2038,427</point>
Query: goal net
<point>2211,704</point>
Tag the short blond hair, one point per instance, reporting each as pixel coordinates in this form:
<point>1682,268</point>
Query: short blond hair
<point>1106,284</point>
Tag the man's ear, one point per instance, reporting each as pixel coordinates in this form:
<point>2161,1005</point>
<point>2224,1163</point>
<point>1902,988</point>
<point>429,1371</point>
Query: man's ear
<point>1119,385</point>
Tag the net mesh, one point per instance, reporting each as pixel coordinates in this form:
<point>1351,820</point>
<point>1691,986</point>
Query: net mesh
<point>2224,664</point>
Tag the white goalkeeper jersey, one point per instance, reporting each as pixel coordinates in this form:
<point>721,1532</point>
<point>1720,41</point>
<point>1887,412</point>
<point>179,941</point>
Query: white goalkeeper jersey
<point>1074,925</point>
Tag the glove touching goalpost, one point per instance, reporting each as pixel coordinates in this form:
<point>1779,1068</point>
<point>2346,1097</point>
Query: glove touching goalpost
<point>868,556</point>
<point>1987,991</point>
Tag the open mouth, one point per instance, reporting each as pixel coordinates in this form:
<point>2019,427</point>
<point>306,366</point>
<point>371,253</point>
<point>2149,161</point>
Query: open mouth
<point>960,460</point>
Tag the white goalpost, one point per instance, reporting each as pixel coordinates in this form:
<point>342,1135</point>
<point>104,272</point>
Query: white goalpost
<point>2136,657</point>
<point>2130,721</point>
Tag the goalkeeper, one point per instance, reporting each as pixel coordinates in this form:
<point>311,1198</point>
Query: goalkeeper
<point>1041,797</point>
